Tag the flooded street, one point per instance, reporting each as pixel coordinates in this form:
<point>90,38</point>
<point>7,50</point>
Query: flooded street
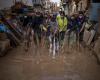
<point>49,39</point>
<point>21,65</point>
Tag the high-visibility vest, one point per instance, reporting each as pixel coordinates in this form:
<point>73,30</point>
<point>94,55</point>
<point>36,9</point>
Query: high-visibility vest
<point>62,23</point>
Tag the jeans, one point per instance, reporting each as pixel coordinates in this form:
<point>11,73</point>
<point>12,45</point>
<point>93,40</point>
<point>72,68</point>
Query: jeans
<point>94,15</point>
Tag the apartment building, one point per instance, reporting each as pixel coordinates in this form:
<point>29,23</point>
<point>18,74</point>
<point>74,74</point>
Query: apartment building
<point>38,5</point>
<point>37,2</point>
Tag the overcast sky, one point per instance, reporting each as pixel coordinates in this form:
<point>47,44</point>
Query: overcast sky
<point>58,1</point>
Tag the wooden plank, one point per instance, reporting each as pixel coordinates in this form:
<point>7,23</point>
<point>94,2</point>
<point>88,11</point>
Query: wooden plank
<point>3,36</point>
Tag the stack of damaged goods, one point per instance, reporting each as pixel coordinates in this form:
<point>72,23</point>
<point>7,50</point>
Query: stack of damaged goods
<point>4,42</point>
<point>97,42</point>
<point>91,37</point>
<point>10,33</point>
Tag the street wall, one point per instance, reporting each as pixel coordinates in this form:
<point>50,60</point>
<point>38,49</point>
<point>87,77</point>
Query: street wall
<point>6,3</point>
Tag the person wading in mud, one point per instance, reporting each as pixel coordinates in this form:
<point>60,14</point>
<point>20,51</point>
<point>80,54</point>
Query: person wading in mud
<point>37,21</point>
<point>62,25</point>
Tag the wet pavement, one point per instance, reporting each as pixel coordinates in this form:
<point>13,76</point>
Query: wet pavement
<point>21,65</point>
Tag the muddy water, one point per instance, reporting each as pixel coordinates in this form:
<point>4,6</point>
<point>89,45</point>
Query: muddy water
<point>69,65</point>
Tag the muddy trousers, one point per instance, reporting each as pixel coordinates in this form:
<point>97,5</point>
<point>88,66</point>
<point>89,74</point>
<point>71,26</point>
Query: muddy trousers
<point>37,37</point>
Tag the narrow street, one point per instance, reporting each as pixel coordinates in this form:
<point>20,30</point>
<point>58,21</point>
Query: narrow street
<point>49,39</point>
<point>21,65</point>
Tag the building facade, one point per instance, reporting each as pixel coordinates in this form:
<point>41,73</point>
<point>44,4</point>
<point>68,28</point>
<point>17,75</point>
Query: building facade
<point>65,6</point>
<point>50,6</point>
<point>6,4</point>
<point>47,5</point>
<point>28,2</point>
<point>54,7</point>
<point>82,5</point>
<point>37,2</point>
<point>72,6</point>
<point>38,5</point>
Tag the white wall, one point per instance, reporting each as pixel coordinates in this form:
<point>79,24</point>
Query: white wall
<point>9,3</point>
<point>6,3</point>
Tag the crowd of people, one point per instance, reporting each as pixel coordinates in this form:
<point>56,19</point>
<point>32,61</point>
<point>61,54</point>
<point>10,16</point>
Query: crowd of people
<point>51,28</point>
